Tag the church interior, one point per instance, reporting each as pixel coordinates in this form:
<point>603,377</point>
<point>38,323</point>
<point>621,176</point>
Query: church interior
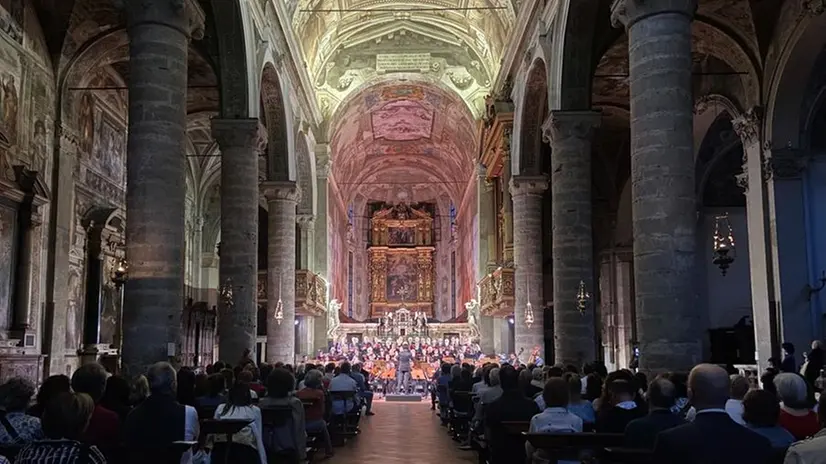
<point>632,182</point>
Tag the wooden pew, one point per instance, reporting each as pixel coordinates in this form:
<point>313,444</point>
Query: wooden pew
<point>228,428</point>
<point>612,455</point>
<point>574,446</point>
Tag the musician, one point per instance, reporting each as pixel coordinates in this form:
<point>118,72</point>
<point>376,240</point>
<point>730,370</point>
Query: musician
<point>405,366</point>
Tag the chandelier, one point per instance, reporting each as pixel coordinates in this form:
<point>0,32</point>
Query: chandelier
<point>279,306</point>
<point>723,248</point>
<point>528,308</point>
<point>582,297</point>
<point>226,294</point>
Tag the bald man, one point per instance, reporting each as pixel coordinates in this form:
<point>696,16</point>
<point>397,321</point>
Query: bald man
<point>713,438</point>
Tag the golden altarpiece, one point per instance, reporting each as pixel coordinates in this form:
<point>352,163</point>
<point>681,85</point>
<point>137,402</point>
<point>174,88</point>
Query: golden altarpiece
<point>401,250</point>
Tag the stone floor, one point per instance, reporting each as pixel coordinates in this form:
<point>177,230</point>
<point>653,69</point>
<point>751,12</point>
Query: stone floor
<point>402,433</point>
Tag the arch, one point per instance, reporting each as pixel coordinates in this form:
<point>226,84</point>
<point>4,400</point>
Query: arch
<point>573,69</point>
<point>305,174</point>
<point>233,30</point>
<point>789,84</point>
<point>280,162</point>
<point>706,111</point>
<point>534,112</point>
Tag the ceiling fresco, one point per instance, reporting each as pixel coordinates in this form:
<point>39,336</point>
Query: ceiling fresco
<point>347,43</point>
<point>401,138</point>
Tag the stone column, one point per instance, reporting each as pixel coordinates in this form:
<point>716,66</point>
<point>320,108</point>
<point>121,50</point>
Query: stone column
<point>282,198</point>
<point>662,180</point>
<point>527,225</point>
<point>323,165</point>
<point>507,212</point>
<point>29,228</point>
<point>158,45</point>
<point>571,134</point>
<point>306,229</point>
<point>497,322</point>
<point>486,257</point>
<point>240,141</point>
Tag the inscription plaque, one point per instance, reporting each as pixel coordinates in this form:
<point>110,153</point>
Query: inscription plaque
<point>402,62</point>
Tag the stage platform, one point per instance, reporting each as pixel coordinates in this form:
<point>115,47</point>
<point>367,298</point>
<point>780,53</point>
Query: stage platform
<point>403,398</point>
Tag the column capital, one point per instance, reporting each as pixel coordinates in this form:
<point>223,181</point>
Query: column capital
<point>239,133</point>
<point>747,125</point>
<point>280,190</point>
<point>528,185</point>
<point>784,164</point>
<point>186,15</point>
<point>563,125</point>
<point>627,12</point>
<point>323,167</point>
<point>305,221</point>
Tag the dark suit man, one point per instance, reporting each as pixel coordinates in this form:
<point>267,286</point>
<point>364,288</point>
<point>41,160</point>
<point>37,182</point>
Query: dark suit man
<point>512,406</point>
<point>642,432</point>
<point>713,438</point>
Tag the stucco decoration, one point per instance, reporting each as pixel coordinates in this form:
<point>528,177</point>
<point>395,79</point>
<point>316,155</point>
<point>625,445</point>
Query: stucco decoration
<point>348,42</point>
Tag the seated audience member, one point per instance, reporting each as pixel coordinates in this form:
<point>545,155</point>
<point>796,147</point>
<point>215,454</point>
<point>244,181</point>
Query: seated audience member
<point>788,364</point>
<point>16,427</point>
<point>256,385</point>
<point>329,373</point>
<point>734,405</point>
<point>511,406</point>
<point>245,377</point>
<point>65,419</point>
<point>555,418</point>
<point>712,438</point>
<point>796,415</point>
<point>812,451</point>
<point>622,410</point>
<point>52,386</point>
<point>592,388</point>
<point>116,396</point>
<point>214,394</point>
<point>525,384</point>
<point>313,393</point>
<point>761,412</point>
<point>186,386</point>
<point>239,406</point>
<point>140,391</point>
<point>364,390</point>
<point>577,405</point>
<point>280,385</point>
<point>160,419</point>
<point>488,395</point>
<point>343,382</point>
<point>104,426</point>
<point>642,432</point>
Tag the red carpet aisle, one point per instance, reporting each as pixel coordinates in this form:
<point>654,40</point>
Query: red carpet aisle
<point>402,434</point>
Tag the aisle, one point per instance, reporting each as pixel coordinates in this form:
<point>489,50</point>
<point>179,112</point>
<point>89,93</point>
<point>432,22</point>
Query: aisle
<point>402,433</point>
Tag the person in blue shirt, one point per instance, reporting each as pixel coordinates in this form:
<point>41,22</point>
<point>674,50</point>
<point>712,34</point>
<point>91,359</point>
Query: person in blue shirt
<point>443,390</point>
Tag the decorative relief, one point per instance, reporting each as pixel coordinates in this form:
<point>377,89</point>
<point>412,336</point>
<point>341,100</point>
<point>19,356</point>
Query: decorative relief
<point>280,190</point>
<point>562,126</point>
<point>747,126</point>
<point>528,185</point>
<point>784,164</point>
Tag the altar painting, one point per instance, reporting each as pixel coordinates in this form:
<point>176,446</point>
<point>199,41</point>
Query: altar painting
<point>402,278</point>
<point>401,236</point>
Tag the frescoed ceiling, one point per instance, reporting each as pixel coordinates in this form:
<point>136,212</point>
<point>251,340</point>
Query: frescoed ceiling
<point>347,43</point>
<point>402,139</point>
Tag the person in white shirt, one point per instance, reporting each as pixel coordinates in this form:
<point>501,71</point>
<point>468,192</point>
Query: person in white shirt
<point>555,418</point>
<point>239,406</point>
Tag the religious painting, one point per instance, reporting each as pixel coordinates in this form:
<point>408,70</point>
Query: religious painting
<point>74,312</point>
<point>8,221</point>
<point>9,105</point>
<point>402,120</point>
<point>401,236</point>
<point>402,278</point>
<point>86,123</point>
<point>108,150</point>
<point>39,150</point>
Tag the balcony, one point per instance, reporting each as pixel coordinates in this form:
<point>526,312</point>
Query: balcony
<point>310,292</point>
<point>497,293</point>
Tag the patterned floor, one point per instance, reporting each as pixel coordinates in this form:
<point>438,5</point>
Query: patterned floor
<point>402,433</point>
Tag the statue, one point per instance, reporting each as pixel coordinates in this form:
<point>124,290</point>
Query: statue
<point>472,308</point>
<point>332,318</point>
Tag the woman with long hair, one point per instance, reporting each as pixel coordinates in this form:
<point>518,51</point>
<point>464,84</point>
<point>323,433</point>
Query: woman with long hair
<point>239,406</point>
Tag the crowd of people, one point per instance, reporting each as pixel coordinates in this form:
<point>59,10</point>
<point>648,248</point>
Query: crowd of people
<point>709,415</point>
<point>95,418</point>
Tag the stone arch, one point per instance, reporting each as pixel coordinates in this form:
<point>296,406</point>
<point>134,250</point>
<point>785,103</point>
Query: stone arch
<point>305,175</point>
<point>533,114</point>
<point>233,34</point>
<point>713,40</point>
<point>275,117</point>
<point>718,161</point>
<point>789,85</point>
<point>706,111</point>
<point>575,36</point>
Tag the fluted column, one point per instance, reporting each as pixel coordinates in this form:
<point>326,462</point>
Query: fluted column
<point>527,226</point>
<point>282,198</point>
<point>240,141</point>
<point>662,180</point>
<point>570,134</point>
<point>158,42</point>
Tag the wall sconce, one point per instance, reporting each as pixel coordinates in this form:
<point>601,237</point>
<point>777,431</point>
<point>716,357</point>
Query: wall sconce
<point>528,307</point>
<point>818,287</point>
<point>279,307</point>
<point>226,294</point>
<point>120,274</point>
<point>582,297</point>
<point>724,250</point>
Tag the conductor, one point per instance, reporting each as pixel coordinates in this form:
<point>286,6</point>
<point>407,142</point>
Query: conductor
<point>403,372</point>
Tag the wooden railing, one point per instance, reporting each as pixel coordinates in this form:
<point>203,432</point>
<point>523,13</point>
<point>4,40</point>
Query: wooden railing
<point>310,294</point>
<point>497,293</point>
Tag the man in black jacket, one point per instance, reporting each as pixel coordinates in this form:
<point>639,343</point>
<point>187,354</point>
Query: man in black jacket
<point>642,432</point>
<point>713,438</point>
<point>512,406</point>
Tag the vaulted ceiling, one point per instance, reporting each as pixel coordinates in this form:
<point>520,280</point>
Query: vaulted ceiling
<point>347,43</point>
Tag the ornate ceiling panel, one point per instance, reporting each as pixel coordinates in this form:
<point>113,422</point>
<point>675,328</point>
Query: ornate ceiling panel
<point>347,43</point>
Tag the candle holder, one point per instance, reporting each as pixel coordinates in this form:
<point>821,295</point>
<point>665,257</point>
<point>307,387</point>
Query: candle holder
<point>724,251</point>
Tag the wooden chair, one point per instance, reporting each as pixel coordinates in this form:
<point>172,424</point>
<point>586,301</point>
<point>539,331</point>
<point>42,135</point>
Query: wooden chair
<point>613,455</point>
<point>344,425</point>
<point>585,447</point>
<point>226,427</point>
<point>281,418</point>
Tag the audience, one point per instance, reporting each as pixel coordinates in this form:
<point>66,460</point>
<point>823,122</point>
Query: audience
<point>811,451</point>
<point>364,391</point>
<point>555,418</point>
<point>621,410</point>
<point>796,415</point>
<point>280,385</point>
<point>239,406</point>
<point>583,408</point>
<point>313,393</point>
<point>104,426</point>
<point>17,427</point>
<point>140,391</point>
<point>642,432</point>
<point>734,405</point>
<point>712,437</point>
<point>214,394</point>
<point>116,396</point>
<point>343,382</point>
<point>788,364</point>
<point>52,386</point>
<point>65,419</point>
<point>511,406</point>
<point>761,413</point>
